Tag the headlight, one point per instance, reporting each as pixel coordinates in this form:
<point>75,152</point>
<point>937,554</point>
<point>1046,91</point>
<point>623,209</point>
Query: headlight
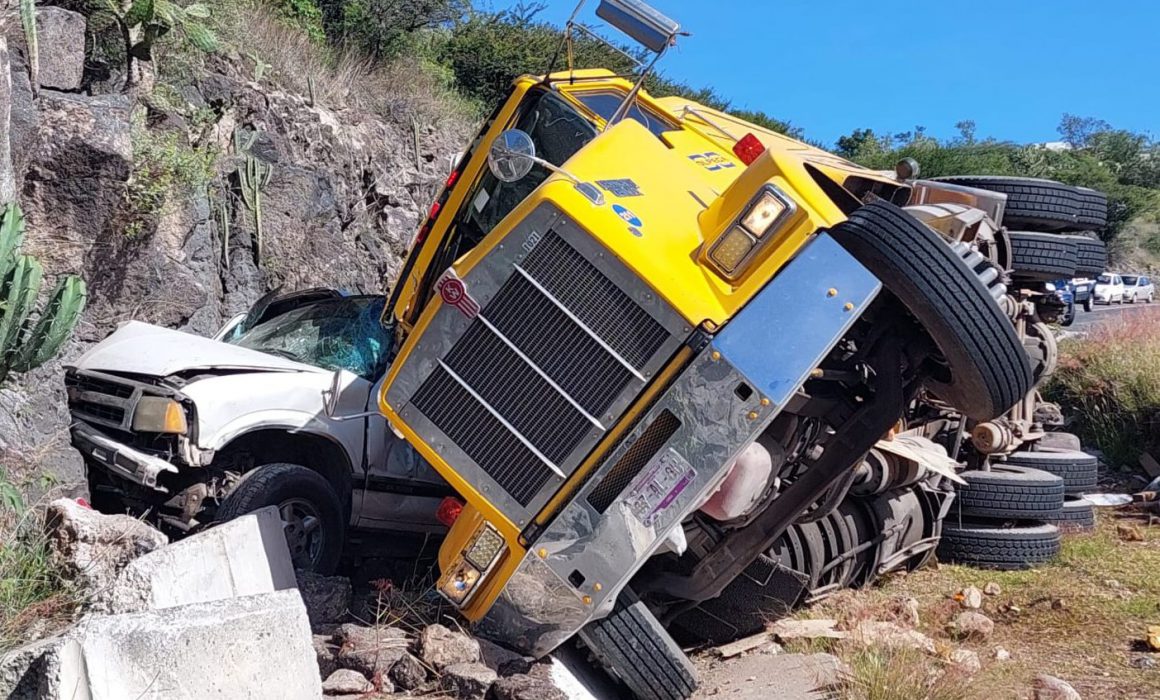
<point>157,414</point>
<point>459,582</point>
<point>768,211</point>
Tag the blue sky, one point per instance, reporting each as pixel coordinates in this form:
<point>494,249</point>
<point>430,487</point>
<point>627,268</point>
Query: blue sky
<point>830,66</point>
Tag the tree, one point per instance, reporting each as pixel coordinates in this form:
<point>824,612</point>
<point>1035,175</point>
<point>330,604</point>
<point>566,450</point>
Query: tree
<point>966,130</point>
<point>1078,131</point>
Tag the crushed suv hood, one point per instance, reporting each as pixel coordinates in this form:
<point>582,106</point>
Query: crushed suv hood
<point>141,348</point>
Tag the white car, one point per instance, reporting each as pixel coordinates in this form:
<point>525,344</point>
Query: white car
<point>1138,288</point>
<point>280,409</point>
<point>1109,289</point>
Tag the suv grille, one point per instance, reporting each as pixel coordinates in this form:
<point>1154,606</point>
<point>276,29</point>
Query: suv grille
<point>541,367</point>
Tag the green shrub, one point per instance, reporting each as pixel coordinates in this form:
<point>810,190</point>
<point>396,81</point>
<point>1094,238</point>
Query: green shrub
<point>163,163</point>
<point>302,14</point>
<point>1109,382</point>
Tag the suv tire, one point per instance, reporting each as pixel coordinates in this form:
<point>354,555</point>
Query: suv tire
<point>311,513</point>
<point>1042,205</point>
<point>1042,256</point>
<point>632,645</point>
<point>987,368</point>
<point>992,546</point>
<point>1010,492</point>
<point>1079,470</point>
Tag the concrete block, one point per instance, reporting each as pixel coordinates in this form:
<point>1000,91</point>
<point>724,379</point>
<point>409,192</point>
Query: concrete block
<point>243,557</point>
<point>249,648</point>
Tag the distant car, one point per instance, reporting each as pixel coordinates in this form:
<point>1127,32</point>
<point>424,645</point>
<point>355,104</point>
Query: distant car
<point>1109,289</point>
<point>1064,292</point>
<point>1138,288</point>
<point>1082,289</point>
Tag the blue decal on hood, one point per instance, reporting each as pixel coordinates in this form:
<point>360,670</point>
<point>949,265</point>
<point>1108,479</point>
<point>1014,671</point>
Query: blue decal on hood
<point>629,218</point>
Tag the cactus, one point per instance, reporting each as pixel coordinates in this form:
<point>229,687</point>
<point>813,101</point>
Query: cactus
<point>28,19</point>
<point>254,177</point>
<point>25,345</point>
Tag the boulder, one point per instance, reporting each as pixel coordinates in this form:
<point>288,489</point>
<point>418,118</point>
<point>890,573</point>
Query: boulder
<point>347,682</point>
<point>370,650</point>
<point>1051,688</point>
<point>242,557</point>
<point>408,673</point>
<point>966,660</point>
<point>440,647</point>
<point>255,647</point>
<point>327,598</point>
<point>971,625</point>
<point>891,636</point>
<point>92,548</point>
<point>326,653</point>
<point>469,681</point>
<point>22,670</point>
<point>522,687</point>
<point>61,36</point>
<point>503,661</point>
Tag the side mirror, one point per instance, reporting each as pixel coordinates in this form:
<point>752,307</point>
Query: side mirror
<point>512,156</point>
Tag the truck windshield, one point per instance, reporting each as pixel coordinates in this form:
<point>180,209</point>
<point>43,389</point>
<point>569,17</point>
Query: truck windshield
<point>333,334</point>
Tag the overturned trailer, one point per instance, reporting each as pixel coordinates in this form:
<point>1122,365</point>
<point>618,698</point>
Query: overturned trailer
<point>641,338</point>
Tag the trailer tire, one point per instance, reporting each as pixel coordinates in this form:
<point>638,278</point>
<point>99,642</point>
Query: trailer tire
<point>1059,441</point>
<point>987,370</point>
<point>632,645</point>
<point>992,546</point>
<point>1032,203</point>
<point>1077,515</point>
<point>1091,259</point>
<point>1042,256</point>
<point>1010,492</point>
<point>1079,470</point>
<point>1093,208</point>
<point>299,493</point>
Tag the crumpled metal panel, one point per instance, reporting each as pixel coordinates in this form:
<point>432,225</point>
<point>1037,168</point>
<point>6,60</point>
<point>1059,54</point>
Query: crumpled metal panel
<point>587,558</point>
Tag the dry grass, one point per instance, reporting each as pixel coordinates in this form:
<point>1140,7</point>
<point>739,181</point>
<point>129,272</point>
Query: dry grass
<point>1110,383</point>
<point>900,674</point>
<point>338,79</point>
<point>1082,618</point>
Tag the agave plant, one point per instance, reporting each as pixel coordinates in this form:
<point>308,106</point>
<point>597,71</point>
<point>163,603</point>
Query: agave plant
<point>26,343</point>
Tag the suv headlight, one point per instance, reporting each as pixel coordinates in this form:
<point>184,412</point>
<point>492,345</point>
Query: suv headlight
<point>759,222</point>
<point>157,414</point>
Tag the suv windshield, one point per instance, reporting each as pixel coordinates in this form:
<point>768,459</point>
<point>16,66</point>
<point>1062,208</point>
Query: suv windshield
<point>333,334</point>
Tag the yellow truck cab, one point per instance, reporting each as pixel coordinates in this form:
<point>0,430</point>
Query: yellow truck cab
<point>639,337</point>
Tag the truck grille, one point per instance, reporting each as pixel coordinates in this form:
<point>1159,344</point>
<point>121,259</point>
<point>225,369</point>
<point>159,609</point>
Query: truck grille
<point>98,400</point>
<point>539,370</point>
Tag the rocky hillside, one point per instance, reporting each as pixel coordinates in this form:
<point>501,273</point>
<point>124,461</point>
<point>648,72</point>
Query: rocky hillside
<point>149,192</point>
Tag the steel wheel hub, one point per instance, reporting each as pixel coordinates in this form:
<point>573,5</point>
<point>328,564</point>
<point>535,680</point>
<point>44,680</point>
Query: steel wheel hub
<point>302,526</point>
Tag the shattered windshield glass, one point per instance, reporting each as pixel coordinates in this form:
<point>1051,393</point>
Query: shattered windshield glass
<point>333,334</point>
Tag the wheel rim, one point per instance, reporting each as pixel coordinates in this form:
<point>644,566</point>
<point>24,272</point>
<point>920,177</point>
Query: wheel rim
<point>302,526</point>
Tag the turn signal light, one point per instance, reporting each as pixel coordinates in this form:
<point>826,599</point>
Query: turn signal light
<point>449,510</point>
<point>748,149</point>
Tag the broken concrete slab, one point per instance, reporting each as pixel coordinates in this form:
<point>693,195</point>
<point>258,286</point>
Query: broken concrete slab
<point>92,548</point>
<point>254,647</point>
<point>243,557</point>
<point>22,669</point>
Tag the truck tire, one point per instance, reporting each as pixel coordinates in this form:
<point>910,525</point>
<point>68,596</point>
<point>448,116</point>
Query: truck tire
<point>1077,515</point>
<point>1079,470</point>
<point>1093,209</point>
<point>1009,492</point>
<point>1033,204</point>
<point>991,546</point>
<point>987,370</point>
<point>1042,256</point>
<point>632,645</point>
<point>1059,441</point>
<point>1091,259</point>
<point>311,513</point>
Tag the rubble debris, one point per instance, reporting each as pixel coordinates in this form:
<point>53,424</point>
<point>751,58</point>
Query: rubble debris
<point>1051,688</point>
<point>970,598</point>
<point>369,650</point>
<point>806,629</point>
<point>992,588</point>
<point>408,673</point>
<point>347,682</point>
<point>966,660</point>
<point>1143,662</point>
<point>743,645</point>
<point>971,625</point>
<point>327,652</point>
<point>468,681</point>
<point>503,661</point>
<point>910,607</point>
<point>523,687</point>
<point>890,636</point>
<point>1150,465</point>
<point>440,647</point>
<point>1153,637</point>
<point>327,598</point>
<point>1002,654</point>
<point>1129,533</point>
<point>91,548</point>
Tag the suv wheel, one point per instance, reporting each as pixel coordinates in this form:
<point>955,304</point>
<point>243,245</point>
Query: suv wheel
<point>311,513</point>
<point>984,367</point>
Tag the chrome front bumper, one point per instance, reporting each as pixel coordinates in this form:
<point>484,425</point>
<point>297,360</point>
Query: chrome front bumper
<point>120,459</point>
<point>731,391</point>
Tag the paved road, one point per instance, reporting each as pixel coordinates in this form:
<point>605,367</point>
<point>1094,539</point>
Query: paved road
<point>1086,321</point>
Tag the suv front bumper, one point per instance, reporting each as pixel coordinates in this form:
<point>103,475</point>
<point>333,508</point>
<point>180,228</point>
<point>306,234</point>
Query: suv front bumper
<point>120,459</point>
